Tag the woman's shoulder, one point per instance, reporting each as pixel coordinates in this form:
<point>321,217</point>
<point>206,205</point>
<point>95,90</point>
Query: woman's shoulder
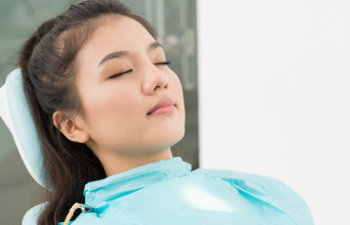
<point>268,189</point>
<point>245,180</point>
<point>254,184</point>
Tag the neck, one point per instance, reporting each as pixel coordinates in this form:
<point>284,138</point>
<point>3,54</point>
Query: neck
<point>114,164</point>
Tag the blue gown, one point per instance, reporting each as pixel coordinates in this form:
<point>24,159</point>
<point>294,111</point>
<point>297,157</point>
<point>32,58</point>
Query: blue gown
<point>168,193</point>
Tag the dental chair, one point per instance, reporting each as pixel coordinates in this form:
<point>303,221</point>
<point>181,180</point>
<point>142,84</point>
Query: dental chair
<point>14,111</point>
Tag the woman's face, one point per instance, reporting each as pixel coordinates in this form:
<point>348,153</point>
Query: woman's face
<point>116,107</point>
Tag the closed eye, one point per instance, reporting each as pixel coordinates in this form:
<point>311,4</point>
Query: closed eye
<point>119,74</point>
<point>163,63</point>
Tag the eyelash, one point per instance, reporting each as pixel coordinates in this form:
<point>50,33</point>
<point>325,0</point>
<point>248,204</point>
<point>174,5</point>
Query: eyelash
<point>119,74</point>
<point>164,63</point>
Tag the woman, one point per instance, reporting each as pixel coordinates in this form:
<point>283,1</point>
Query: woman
<point>107,110</point>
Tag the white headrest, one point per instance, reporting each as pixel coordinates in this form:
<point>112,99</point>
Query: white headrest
<point>14,110</point>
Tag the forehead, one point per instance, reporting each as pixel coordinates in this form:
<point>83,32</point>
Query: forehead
<point>117,33</point>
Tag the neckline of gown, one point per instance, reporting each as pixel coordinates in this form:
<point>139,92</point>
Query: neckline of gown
<point>127,182</point>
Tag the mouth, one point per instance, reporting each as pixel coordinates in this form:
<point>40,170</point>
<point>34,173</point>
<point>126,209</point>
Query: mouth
<point>164,105</point>
<point>163,110</point>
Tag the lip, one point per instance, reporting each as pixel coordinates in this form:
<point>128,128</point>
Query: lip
<point>164,102</point>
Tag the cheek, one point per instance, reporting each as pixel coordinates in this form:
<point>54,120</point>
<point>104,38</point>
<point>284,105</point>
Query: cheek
<point>109,104</point>
<point>177,87</point>
<point>113,115</point>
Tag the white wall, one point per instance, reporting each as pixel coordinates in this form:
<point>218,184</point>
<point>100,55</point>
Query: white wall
<point>274,95</point>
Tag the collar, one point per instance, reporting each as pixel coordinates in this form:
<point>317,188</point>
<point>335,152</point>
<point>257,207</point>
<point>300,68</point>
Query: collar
<point>127,182</point>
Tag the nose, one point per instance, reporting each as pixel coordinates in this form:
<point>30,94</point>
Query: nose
<point>154,78</point>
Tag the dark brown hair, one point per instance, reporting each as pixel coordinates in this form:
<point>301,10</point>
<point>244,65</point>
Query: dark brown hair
<point>48,63</point>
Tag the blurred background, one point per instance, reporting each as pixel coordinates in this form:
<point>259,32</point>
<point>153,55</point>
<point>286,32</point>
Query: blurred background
<point>266,87</point>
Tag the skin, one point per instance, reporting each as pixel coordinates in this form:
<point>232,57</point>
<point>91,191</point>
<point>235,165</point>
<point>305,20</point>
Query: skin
<point>116,126</point>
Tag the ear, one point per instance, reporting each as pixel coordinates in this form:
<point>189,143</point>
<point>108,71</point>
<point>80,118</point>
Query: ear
<point>70,129</point>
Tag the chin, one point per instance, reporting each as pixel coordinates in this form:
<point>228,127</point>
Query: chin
<point>173,137</point>
<point>179,136</point>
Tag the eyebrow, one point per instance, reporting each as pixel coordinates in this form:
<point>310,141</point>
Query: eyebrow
<point>122,54</point>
